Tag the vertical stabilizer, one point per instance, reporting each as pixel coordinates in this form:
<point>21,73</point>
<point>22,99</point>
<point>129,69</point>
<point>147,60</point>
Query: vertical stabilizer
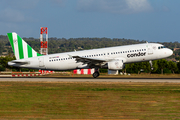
<point>20,48</point>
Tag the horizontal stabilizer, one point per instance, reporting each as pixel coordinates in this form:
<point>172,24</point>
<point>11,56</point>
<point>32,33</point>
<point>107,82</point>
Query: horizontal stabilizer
<point>20,62</point>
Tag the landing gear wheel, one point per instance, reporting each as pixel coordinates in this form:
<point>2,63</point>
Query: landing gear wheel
<point>95,74</point>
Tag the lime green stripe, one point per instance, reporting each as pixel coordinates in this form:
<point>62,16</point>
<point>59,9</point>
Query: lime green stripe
<point>29,51</point>
<point>11,40</point>
<point>20,46</point>
<point>39,54</point>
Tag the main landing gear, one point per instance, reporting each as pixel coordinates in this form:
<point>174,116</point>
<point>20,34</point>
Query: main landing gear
<point>96,73</point>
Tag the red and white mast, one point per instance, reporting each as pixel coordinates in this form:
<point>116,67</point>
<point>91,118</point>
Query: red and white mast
<point>44,42</point>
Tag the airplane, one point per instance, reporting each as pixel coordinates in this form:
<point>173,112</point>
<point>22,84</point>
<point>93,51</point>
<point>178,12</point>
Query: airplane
<point>112,58</point>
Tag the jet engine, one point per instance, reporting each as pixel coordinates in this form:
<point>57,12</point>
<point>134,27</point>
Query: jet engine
<point>115,65</point>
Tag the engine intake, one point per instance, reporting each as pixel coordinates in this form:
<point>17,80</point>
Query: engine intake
<point>116,65</point>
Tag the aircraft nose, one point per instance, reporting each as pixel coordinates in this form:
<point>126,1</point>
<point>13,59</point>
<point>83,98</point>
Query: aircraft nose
<point>170,52</point>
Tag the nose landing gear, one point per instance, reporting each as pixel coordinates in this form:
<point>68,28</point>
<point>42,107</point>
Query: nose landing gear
<point>150,62</point>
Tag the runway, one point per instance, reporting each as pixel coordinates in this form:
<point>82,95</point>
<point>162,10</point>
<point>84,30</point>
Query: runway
<point>163,80</point>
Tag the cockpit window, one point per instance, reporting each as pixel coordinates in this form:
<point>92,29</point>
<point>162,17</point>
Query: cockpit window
<point>161,47</point>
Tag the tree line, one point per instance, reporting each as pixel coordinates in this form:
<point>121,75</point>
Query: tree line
<point>57,45</point>
<point>160,67</point>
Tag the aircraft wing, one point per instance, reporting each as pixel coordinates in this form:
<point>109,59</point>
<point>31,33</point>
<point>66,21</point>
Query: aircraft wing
<point>94,61</point>
<point>90,61</point>
<point>81,59</point>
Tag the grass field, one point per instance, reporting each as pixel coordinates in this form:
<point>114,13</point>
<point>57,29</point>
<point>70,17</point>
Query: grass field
<point>103,75</point>
<point>61,100</point>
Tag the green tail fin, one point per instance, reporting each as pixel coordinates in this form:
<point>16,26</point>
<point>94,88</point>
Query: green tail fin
<point>21,49</point>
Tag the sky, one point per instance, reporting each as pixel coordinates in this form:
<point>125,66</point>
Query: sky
<point>149,20</point>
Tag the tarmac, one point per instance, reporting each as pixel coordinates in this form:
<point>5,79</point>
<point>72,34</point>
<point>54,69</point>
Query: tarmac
<point>138,80</point>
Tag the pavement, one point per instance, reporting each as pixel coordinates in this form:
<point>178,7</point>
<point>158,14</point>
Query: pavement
<point>141,80</point>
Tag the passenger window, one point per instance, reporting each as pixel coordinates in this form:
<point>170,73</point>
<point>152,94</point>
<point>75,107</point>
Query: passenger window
<point>49,60</point>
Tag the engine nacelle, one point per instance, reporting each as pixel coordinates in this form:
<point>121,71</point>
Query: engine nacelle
<point>116,65</point>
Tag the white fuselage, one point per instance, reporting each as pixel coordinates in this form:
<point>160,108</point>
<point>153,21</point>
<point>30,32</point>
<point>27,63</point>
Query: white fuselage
<point>128,53</point>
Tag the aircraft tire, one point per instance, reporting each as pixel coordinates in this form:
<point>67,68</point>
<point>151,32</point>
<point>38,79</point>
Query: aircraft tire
<point>95,74</point>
